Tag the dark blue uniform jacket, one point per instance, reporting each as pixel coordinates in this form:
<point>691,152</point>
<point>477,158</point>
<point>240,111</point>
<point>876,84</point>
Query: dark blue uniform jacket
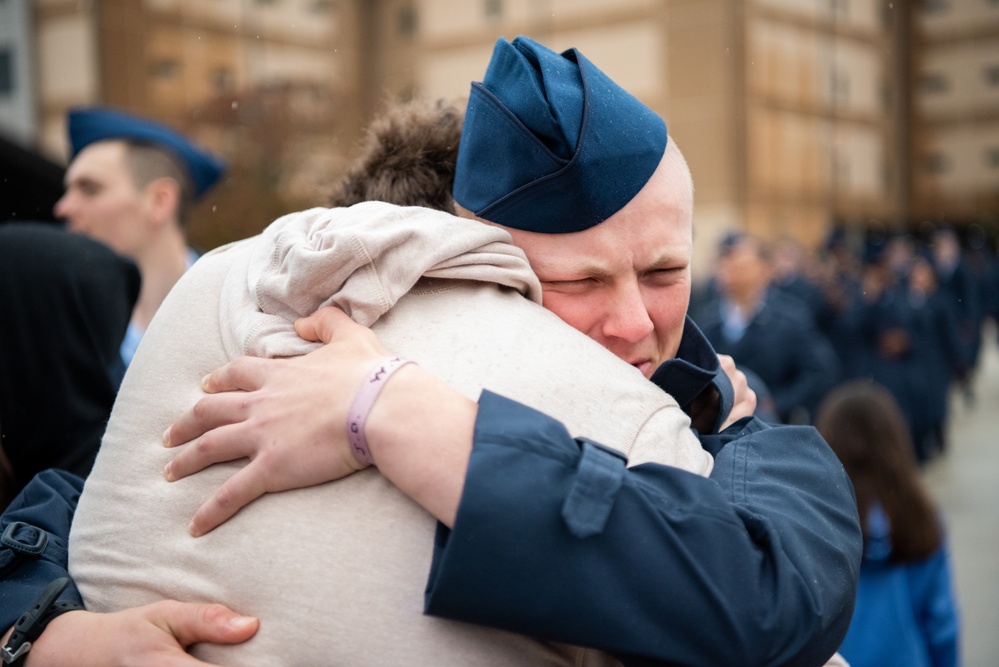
<point>782,345</point>
<point>554,537</point>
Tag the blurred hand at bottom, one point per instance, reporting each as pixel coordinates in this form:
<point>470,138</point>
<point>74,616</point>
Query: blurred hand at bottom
<point>155,635</point>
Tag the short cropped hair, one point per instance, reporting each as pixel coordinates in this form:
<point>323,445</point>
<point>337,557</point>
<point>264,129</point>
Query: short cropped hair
<point>147,162</point>
<point>408,158</point>
<point>673,155</point>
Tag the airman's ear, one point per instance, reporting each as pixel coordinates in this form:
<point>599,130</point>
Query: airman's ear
<point>163,197</point>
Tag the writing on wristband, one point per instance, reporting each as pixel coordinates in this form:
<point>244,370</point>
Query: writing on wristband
<point>361,406</point>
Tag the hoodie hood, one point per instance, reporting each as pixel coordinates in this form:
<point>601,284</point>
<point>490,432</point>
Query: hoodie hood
<point>361,259</point>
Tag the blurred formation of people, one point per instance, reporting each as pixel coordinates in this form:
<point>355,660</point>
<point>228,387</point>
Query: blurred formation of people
<point>131,184</point>
<point>66,301</point>
<point>906,612</point>
<point>905,310</point>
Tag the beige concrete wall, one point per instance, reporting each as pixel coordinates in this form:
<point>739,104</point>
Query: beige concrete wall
<point>297,20</point>
<point>958,16</point>
<point>450,73</point>
<point>958,117</point>
<point>67,75</point>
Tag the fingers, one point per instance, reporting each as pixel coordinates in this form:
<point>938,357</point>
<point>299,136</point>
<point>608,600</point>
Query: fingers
<point>210,412</point>
<point>744,397</point>
<point>727,363</point>
<point>244,373</point>
<point>218,446</point>
<point>192,623</point>
<point>236,493</point>
<point>323,324</point>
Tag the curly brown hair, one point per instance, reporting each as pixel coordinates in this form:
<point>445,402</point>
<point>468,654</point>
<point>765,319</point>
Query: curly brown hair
<point>408,157</point>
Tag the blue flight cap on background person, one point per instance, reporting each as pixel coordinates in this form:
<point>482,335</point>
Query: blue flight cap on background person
<point>90,125</point>
<point>551,144</point>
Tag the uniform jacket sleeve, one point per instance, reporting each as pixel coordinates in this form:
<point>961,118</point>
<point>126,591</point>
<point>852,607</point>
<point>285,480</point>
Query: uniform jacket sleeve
<point>35,533</point>
<point>556,538</point>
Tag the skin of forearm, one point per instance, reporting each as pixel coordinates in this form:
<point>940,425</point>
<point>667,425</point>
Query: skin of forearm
<point>38,653</point>
<point>420,434</point>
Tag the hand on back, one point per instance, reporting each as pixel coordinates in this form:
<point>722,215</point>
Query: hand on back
<point>288,416</point>
<point>155,635</point>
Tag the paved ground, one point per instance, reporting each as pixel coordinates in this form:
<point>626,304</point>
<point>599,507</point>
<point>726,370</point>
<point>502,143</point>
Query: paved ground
<point>966,483</point>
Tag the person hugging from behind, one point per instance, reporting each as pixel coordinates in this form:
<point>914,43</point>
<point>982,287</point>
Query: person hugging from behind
<point>906,612</point>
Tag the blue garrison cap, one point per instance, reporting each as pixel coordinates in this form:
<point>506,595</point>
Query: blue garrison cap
<point>90,125</point>
<point>551,144</point>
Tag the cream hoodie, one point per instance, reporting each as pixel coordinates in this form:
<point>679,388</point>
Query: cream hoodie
<point>336,572</point>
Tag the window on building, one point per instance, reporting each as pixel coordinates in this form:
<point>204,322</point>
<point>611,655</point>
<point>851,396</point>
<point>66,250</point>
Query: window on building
<point>887,94</point>
<point>407,21</point>
<point>322,7</point>
<point>992,157</point>
<point>164,69</point>
<point>839,86</point>
<point>407,94</point>
<point>992,75</point>
<point>493,9</point>
<point>6,72</point>
<point>934,6</point>
<point>841,170</point>
<point>934,83</point>
<point>222,80</point>
<point>936,163</point>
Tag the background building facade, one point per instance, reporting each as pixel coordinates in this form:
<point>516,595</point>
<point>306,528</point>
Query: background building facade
<point>796,115</point>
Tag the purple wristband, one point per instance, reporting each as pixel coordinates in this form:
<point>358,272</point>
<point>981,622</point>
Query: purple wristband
<point>363,402</point>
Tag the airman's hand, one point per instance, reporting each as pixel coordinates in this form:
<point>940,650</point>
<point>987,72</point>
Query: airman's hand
<point>744,404</point>
<point>288,416</point>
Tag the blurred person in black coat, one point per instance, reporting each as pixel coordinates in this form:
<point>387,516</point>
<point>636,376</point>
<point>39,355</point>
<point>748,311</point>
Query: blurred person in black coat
<point>958,282</point>
<point>938,358</point>
<point>65,301</point>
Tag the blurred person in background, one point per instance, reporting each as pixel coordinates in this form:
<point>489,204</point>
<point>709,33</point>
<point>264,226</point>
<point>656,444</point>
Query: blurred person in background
<point>131,184</point>
<point>65,301</point>
<point>794,273</point>
<point>906,613</point>
<point>937,355</point>
<point>768,331</point>
<point>957,281</point>
<point>842,296</point>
